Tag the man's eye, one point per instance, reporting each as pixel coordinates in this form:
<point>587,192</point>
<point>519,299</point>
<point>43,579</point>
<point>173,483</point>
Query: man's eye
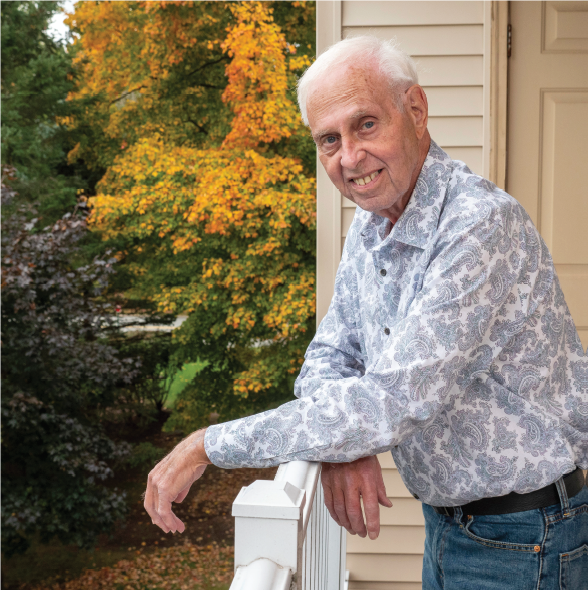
<point>368,124</point>
<point>330,139</point>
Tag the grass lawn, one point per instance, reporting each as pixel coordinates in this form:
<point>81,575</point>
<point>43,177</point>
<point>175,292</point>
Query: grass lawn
<point>182,379</point>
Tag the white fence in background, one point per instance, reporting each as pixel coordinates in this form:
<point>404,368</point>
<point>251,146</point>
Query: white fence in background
<point>284,536</point>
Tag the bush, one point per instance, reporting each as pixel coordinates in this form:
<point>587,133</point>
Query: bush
<point>59,375</point>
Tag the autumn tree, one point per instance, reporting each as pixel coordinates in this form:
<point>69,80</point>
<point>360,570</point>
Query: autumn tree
<point>159,67</point>
<point>209,194</point>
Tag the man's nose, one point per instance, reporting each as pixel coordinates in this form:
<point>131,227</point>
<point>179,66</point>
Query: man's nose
<point>352,153</point>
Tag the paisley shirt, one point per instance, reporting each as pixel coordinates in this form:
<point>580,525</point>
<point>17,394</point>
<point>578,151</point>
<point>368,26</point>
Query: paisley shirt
<point>448,341</point>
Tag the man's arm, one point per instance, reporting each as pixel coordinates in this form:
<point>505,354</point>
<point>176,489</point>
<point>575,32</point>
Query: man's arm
<point>343,485</point>
<point>446,334</point>
<point>444,339</point>
<point>334,358</point>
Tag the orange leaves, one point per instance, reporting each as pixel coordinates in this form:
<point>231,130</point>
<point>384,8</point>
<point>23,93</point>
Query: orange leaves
<point>125,46</point>
<point>146,67</point>
<point>258,81</point>
<point>181,195</point>
<point>233,189</point>
<point>222,193</point>
<point>105,28</point>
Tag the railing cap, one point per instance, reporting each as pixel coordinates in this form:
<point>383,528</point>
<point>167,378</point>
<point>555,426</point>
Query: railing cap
<point>270,499</point>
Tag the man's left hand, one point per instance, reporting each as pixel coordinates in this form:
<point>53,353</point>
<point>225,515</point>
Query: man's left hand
<point>170,480</point>
<point>344,484</point>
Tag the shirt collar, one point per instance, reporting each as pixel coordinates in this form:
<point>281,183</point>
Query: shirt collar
<point>421,215</point>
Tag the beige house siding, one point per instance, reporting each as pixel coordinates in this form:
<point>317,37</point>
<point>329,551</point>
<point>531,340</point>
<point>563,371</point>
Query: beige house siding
<point>394,560</point>
<point>451,42</point>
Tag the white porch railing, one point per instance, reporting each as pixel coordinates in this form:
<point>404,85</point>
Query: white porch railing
<point>284,536</point>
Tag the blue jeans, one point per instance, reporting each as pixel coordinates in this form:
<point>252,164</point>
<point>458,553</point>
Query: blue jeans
<point>542,549</point>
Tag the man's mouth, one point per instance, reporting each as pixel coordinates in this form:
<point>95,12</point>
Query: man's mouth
<point>366,179</point>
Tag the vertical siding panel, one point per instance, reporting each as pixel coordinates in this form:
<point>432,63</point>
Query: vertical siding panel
<point>328,206</point>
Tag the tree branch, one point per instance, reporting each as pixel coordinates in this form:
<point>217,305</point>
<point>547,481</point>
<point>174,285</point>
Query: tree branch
<point>204,85</point>
<point>210,63</point>
<point>125,94</point>
<point>200,128</point>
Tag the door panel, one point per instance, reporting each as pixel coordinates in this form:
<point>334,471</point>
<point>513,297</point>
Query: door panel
<point>548,127</point>
<point>563,202</point>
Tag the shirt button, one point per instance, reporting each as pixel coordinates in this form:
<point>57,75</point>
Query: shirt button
<point>415,497</point>
<point>383,272</point>
<point>387,331</point>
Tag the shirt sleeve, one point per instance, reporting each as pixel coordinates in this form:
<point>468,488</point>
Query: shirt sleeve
<point>470,298</point>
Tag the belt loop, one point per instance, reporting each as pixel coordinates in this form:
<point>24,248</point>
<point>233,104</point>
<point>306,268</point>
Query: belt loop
<point>457,514</point>
<point>563,496</point>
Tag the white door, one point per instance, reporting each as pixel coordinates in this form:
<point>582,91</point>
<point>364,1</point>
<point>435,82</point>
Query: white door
<point>548,136</point>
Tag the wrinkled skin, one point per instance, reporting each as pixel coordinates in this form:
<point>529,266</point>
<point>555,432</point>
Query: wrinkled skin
<point>359,130</point>
<point>170,481</point>
<point>343,486</point>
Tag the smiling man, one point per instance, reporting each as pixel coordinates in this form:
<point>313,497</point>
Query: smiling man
<point>448,342</point>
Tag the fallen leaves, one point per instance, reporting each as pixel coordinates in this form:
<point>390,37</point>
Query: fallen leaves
<point>175,568</point>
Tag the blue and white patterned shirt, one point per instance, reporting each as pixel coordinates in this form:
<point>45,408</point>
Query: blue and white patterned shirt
<point>448,341</point>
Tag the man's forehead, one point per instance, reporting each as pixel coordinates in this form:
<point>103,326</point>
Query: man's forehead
<point>355,90</point>
<point>344,78</point>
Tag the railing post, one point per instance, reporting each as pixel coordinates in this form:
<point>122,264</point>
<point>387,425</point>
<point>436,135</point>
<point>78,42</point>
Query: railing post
<point>268,523</point>
<point>284,536</point>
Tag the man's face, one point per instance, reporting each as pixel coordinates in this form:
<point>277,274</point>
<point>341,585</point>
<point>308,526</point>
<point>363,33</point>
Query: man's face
<point>371,151</point>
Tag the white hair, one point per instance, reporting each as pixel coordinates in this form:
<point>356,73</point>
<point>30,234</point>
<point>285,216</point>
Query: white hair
<point>393,63</point>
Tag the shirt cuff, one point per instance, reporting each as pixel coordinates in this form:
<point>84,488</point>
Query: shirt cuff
<point>224,446</point>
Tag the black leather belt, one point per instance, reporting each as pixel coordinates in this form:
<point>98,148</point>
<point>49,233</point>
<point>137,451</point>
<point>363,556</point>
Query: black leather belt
<point>514,502</point>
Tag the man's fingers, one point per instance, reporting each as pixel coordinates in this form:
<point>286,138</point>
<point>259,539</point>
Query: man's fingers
<point>328,497</point>
<point>171,479</point>
<point>371,507</point>
<point>384,500</point>
<point>382,496</point>
<point>151,502</point>
<point>340,508</point>
<point>354,511</point>
<point>164,510</point>
<point>353,494</point>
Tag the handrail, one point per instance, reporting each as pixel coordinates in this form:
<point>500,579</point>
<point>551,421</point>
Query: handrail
<point>284,537</point>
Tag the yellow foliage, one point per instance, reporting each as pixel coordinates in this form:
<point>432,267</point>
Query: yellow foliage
<point>258,79</point>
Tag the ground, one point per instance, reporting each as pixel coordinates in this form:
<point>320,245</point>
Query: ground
<point>139,555</point>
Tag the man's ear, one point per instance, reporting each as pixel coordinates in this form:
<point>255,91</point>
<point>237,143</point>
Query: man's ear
<point>417,108</point>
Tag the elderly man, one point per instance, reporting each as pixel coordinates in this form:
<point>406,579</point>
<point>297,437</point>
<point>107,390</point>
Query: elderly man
<point>448,342</point>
